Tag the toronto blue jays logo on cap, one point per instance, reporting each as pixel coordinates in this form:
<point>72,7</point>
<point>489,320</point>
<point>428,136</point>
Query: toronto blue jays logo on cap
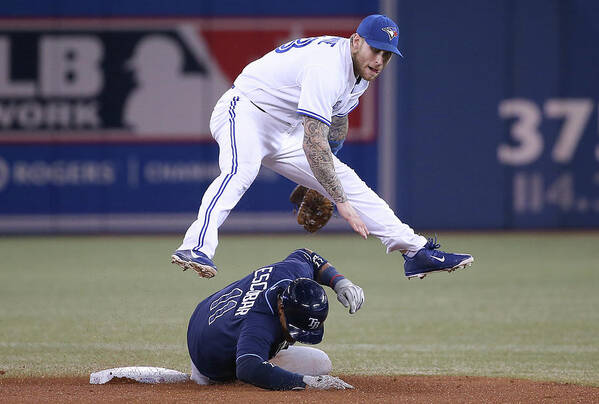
<point>391,31</point>
<point>380,32</point>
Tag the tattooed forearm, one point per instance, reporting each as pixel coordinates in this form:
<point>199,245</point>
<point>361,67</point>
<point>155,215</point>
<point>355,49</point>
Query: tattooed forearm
<point>320,158</point>
<point>338,129</point>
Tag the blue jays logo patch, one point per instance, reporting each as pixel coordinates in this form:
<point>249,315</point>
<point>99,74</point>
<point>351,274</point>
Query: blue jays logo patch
<point>391,31</point>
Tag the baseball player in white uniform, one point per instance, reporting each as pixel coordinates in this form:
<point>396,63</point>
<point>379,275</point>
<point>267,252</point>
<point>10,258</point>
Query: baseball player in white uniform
<point>288,111</point>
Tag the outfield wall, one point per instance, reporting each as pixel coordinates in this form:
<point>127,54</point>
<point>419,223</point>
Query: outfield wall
<point>490,120</point>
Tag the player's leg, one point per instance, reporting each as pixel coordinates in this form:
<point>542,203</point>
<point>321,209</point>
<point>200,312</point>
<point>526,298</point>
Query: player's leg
<point>234,126</point>
<point>374,211</point>
<point>197,377</point>
<point>421,256</point>
<point>303,360</point>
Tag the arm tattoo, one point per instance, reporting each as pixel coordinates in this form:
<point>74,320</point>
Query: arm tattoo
<point>320,158</point>
<point>338,129</point>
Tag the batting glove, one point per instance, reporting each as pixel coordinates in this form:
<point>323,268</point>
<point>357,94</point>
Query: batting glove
<point>349,295</point>
<point>326,382</point>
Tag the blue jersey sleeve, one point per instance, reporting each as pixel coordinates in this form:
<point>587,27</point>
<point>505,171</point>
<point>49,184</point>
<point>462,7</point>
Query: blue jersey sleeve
<point>259,332</point>
<point>303,263</point>
<point>260,339</point>
<point>266,375</point>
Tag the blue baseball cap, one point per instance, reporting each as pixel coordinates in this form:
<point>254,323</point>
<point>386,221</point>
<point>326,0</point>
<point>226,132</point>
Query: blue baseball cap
<point>380,32</point>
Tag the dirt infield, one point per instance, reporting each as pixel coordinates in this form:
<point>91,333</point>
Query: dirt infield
<point>371,389</point>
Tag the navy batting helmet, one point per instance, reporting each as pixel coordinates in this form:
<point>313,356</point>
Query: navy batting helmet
<point>306,307</point>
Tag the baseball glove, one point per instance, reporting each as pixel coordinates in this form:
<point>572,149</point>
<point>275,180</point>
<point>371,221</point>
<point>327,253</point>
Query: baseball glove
<point>313,209</point>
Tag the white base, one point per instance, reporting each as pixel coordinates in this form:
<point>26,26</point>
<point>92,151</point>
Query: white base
<point>142,374</point>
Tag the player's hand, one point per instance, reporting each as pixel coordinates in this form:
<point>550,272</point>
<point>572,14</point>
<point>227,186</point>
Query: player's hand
<point>349,213</point>
<point>349,295</point>
<point>326,382</point>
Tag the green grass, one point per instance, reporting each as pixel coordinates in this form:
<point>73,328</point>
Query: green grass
<point>528,308</point>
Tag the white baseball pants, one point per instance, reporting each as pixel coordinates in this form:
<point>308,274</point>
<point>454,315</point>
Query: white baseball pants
<point>247,138</point>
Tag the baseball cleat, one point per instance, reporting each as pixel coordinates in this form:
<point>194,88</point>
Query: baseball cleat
<point>196,260</point>
<point>429,259</point>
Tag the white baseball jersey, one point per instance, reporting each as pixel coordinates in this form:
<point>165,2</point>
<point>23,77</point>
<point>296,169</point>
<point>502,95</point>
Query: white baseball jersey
<point>308,76</point>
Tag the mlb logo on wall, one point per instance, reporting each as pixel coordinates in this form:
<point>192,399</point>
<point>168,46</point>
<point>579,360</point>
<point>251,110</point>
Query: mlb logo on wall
<point>110,79</point>
<point>136,79</point>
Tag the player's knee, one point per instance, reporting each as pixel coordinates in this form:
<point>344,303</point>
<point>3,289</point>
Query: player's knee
<point>303,360</point>
<point>317,362</point>
<point>247,172</point>
<point>324,363</point>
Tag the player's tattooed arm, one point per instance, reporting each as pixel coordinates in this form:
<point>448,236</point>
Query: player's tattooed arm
<point>338,129</point>
<point>320,158</point>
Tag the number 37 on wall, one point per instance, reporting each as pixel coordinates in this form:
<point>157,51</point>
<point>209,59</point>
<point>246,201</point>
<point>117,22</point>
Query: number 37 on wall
<point>525,129</point>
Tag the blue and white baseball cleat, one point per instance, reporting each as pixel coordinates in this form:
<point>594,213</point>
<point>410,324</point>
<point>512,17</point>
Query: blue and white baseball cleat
<point>196,260</point>
<point>430,259</point>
